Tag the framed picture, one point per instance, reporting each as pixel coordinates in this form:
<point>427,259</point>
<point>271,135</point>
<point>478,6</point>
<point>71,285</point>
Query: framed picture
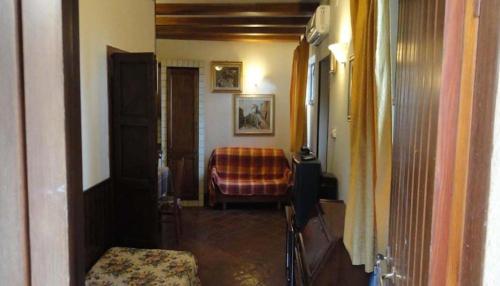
<point>226,76</point>
<point>349,95</point>
<point>253,114</point>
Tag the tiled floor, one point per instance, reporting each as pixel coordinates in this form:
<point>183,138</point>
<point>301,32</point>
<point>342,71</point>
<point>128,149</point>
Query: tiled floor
<point>243,245</point>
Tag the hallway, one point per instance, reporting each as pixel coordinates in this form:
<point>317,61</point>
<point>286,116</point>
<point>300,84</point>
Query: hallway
<point>243,245</point>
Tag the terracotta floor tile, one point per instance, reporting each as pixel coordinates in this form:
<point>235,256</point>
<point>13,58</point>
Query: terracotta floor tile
<point>241,246</point>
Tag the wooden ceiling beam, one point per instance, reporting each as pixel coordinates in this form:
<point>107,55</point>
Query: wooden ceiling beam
<point>230,30</point>
<point>232,21</point>
<point>241,9</point>
<point>229,37</point>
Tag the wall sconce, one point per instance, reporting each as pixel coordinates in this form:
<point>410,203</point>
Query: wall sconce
<point>340,51</point>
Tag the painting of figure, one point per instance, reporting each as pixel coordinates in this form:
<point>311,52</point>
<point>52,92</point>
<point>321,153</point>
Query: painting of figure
<point>226,77</point>
<point>254,114</point>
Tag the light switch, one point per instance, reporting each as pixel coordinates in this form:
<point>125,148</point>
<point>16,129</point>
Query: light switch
<point>333,133</point>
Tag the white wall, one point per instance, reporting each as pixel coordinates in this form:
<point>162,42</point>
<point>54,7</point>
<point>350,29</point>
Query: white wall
<point>339,148</point>
<point>492,249</point>
<point>125,24</point>
<point>273,60</point>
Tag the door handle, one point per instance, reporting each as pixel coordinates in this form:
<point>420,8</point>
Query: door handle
<point>383,277</point>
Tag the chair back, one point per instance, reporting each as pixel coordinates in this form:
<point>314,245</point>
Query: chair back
<point>178,177</point>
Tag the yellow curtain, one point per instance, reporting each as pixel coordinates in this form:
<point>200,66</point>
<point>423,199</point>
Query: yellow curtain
<point>371,134</point>
<point>298,96</point>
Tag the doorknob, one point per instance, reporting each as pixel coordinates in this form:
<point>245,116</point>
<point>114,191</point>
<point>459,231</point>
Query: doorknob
<point>382,277</point>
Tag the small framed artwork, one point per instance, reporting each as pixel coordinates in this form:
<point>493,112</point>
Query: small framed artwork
<point>226,76</point>
<point>349,95</point>
<point>253,114</point>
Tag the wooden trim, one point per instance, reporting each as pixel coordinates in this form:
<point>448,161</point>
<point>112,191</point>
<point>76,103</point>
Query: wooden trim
<point>229,37</point>
<point>233,21</point>
<point>246,9</point>
<point>449,103</point>
<point>458,202</point>
<point>71,66</point>
<point>485,92</point>
<point>184,29</point>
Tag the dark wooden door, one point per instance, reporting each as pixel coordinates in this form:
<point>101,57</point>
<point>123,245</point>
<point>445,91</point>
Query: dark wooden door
<point>134,157</point>
<point>182,122</point>
<point>323,110</point>
<point>419,68</point>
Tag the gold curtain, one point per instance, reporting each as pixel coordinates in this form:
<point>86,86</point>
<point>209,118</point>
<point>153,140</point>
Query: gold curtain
<point>298,96</point>
<point>371,134</point>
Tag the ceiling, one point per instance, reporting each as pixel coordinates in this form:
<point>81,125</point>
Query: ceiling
<point>230,21</point>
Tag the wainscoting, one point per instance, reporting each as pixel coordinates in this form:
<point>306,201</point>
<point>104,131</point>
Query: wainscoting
<point>99,221</point>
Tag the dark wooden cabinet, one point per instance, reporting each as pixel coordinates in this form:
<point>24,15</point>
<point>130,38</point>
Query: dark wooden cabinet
<point>134,148</point>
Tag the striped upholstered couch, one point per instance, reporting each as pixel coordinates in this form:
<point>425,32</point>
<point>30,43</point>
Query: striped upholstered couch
<point>239,174</point>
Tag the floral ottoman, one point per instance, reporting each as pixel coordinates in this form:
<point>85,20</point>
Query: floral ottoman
<point>132,266</point>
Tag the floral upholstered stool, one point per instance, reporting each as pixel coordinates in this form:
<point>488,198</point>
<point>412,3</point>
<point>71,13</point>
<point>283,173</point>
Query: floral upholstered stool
<point>132,266</point>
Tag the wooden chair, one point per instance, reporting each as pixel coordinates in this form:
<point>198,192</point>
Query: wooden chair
<point>170,207</point>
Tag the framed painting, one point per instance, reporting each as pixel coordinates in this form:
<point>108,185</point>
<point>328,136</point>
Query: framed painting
<point>226,76</point>
<point>253,114</point>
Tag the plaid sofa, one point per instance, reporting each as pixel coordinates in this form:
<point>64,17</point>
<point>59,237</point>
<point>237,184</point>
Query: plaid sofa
<point>238,172</point>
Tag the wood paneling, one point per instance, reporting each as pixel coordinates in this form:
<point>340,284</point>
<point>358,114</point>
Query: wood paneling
<point>420,46</point>
<point>99,221</point>
<point>14,242</point>
<point>182,122</point>
<point>134,158</point>
<point>240,9</point>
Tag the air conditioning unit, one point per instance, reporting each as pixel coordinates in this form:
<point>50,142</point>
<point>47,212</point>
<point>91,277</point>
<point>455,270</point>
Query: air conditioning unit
<point>319,25</point>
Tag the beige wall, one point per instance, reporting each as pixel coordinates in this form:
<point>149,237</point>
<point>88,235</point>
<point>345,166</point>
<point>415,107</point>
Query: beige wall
<point>272,60</point>
<point>339,148</point>
<point>124,24</point>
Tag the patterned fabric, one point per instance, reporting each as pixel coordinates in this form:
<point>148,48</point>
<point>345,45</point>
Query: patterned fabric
<point>249,171</point>
<point>131,266</point>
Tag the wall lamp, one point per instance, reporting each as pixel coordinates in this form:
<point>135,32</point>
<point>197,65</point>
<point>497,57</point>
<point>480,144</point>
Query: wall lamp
<point>340,51</point>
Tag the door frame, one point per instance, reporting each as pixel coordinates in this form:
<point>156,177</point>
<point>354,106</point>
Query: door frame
<point>318,119</point>
<point>465,134</point>
<point>49,134</point>
<point>202,155</point>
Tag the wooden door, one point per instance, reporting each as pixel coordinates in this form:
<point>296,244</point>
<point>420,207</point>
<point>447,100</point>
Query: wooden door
<point>323,110</point>
<point>418,86</point>
<point>182,122</point>
<point>134,156</point>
